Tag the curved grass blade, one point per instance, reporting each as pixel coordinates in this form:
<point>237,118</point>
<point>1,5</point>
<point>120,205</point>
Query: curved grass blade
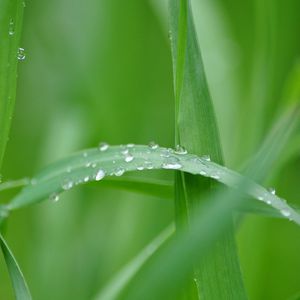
<point>112,290</point>
<point>18,281</point>
<point>11,17</point>
<point>152,187</point>
<point>94,165</point>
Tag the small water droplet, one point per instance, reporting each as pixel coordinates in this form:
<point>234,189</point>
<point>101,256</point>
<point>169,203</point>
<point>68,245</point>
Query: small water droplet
<point>67,184</point>
<point>88,164</point>
<point>206,157</point>
<point>149,165</point>
<point>261,198</point>
<point>165,153</point>
<point>272,190</point>
<point>128,157</point>
<point>21,54</point>
<point>86,179</point>
<point>94,165</point>
<point>54,197</point>
<point>203,173</point>
<point>100,174</point>
<point>153,145</point>
<point>285,212</point>
<point>119,172</point>
<point>140,168</point>
<point>172,163</point>
<point>130,145</point>
<point>125,151</point>
<point>180,150</point>
<point>103,146</point>
<point>269,201</point>
<point>215,176</point>
<point>11,27</point>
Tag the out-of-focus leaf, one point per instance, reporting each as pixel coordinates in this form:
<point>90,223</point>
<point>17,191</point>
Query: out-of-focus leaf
<point>18,281</point>
<point>11,17</point>
<point>120,280</point>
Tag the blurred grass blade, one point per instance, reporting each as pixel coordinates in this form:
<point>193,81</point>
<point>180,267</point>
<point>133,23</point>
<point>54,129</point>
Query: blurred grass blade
<point>196,129</point>
<point>18,281</point>
<point>94,165</point>
<point>11,17</point>
<point>112,290</point>
<point>12,184</point>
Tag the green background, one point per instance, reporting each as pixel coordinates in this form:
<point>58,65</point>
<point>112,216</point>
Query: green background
<point>101,71</point>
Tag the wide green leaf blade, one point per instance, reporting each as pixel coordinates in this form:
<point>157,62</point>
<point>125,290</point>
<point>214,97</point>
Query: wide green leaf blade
<point>196,129</point>
<point>18,281</point>
<point>11,17</point>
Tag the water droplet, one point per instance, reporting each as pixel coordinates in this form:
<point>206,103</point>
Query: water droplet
<point>21,54</point>
<point>285,212</point>
<point>261,198</point>
<point>215,176</point>
<point>94,165</point>
<point>103,146</point>
<point>172,163</point>
<point>88,164</point>
<point>165,153</point>
<point>149,165</point>
<point>54,197</point>
<point>86,179</point>
<point>11,27</point>
<point>119,172</point>
<point>67,184</point>
<point>128,157</point>
<point>140,168</point>
<point>153,145</point>
<point>100,174</point>
<point>203,173</point>
<point>130,145</point>
<point>180,150</point>
<point>206,157</point>
<point>269,201</point>
<point>125,151</point>
<point>272,190</point>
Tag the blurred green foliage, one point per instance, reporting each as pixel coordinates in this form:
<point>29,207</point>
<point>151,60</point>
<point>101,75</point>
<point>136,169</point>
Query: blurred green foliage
<point>101,70</point>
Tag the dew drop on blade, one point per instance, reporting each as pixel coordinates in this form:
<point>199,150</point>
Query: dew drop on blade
<point>103,146</point>
<point>272,190</point>
<point>180,150</point>
<point>119,172</point>
<point>11,28</point>
<point>285,212</point>
<point>128,157</point>
<point>153,145</point>
<point>100,175</point>
<point>67,184</point>
<point>21,55</point>
<point>54,197</point>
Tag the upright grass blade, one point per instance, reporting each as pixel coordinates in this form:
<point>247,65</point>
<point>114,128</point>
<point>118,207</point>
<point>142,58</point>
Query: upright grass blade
<point>11,16</point>
<point>196,130</point>
<point>18,281</point>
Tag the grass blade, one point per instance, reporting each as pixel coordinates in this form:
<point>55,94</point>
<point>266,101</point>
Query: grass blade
<point>18,281</point>
<point>86,166</point>
<point>11,17</point>
<point>196,129</point>
<point>118,283</point>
